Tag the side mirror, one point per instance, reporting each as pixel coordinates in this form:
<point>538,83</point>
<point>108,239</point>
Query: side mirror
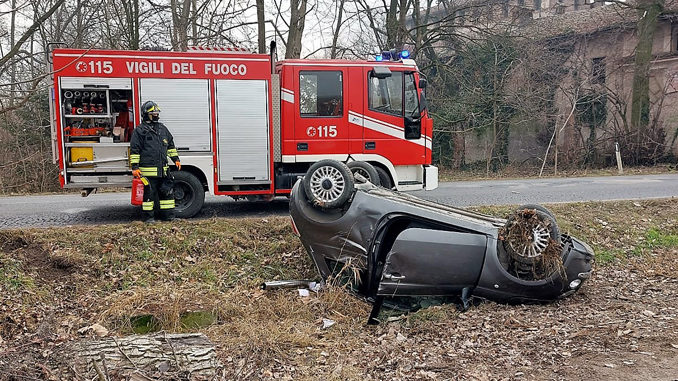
<point>381,72</point>
<point>423,105</point>
<point>422,83</point>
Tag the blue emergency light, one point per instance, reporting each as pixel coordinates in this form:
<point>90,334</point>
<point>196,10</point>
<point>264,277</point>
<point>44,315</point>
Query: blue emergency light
<point>392,55</point>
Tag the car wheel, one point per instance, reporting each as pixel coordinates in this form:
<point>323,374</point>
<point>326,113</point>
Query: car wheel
<point>189,195</point>
<point>366,170</point>
<point>384,177</point>
<point>530,235</point>
<point>537,207</point>
<point>328,184</point>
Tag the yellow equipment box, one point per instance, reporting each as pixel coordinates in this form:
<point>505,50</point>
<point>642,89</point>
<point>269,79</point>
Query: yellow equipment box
<point>81,154</point>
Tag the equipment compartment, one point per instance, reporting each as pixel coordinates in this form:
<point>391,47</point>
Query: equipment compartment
<point>97,119</point>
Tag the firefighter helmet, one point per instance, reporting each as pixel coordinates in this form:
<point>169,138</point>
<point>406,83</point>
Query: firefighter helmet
<point>150,111</point>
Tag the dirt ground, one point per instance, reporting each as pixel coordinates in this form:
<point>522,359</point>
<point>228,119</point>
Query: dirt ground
<point>54,283</point>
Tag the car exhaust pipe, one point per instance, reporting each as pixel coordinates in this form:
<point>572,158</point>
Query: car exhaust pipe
<point>280,284</point>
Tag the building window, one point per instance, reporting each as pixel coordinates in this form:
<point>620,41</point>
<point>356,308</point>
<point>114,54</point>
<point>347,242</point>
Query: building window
<point>320,93</point>
<point>537,4</point>
<point>505,8</point>
<point>386,94</point>
<point>598,70</point>
<point>521,3</point>
<point>674,38</point>
<point>576,5</point>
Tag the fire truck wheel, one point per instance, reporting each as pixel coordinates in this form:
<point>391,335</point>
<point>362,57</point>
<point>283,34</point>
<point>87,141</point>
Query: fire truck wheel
<point>189,194</point>
<point>366,170</point>
<point>384,178</point>
<point>328,184</point>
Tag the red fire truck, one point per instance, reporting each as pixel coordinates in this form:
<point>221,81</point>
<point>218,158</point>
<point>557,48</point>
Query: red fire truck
<point>244,124</point>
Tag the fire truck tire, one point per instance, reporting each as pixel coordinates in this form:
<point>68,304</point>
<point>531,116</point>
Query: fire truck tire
<point>189,195</point>
<point>366,170</point>
<point>328,184</point>
<point>384,177</point>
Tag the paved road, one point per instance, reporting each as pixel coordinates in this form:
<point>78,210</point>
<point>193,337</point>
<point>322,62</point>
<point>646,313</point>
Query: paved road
<point>71,209</point>
<point>553,190</point>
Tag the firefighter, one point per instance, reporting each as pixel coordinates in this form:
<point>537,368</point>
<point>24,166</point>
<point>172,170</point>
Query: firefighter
<point>150,146</point>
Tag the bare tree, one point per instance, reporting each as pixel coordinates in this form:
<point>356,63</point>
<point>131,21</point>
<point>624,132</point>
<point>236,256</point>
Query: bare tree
<point>261,27</point>
<point>337,28</point>
<point>15,47</point>
<point>296,28</point>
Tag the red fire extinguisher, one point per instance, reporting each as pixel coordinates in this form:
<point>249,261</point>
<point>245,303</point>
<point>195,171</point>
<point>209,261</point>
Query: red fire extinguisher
<point>138,185</point>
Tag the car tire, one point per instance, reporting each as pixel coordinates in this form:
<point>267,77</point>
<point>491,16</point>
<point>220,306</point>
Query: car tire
<point>384,178</point>
<point>328,184</point>
<point>544,230</point>
<point>366,170</point>
<point>189,194</point>
<point>537,207</point>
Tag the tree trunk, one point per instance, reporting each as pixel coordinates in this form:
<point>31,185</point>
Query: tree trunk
<point>335,38</point>
<point>648,11</point>
<point>180,22</point>
<point>261,27</point>
<point>12,31</point>
<point>490,155</point>
<point>402,24</point>
<point>194,23</point>
<point>161,354</point>
<point>391,25</point>
<point>297,21</point>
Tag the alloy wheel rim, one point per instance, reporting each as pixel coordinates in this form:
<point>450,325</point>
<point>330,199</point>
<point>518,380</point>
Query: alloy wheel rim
<point>327,184</point>
<point>536,245</point>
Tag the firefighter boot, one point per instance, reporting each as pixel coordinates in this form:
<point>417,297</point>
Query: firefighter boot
<point>166,194</point>
<point>148,205</point>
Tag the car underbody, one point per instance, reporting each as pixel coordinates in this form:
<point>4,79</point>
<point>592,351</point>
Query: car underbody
<point>393,244</point>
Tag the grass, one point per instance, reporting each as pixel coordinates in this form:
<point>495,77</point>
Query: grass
<point>205,275</point>
<point>12,277</point>
<point>520,172</point>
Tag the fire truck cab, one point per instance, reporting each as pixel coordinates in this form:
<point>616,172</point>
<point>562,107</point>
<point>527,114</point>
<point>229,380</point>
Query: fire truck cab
<point>244,125</point>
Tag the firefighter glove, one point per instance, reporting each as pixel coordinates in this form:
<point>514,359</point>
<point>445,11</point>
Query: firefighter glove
<point>136,173</point>
<point>178,164</point>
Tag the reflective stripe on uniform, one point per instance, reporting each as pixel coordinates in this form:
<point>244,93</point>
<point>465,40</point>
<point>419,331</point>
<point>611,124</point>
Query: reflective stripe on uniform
<point>134,158</point>
<point>149,171</point>
<point>172,152</point>
<point>148,205</point>
<point>167,204</point>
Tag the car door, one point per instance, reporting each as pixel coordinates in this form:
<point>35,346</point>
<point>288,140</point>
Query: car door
<point>321,119</point>
<point>424,261</point>
<point>391,120</point>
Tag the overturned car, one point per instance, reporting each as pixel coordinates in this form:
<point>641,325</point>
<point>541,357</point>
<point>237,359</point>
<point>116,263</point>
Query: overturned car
<point>400,245</point>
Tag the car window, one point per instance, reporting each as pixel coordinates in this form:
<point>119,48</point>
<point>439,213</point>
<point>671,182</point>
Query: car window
<point>411,98</point>
<point>321,93</point>
<point>386,94</point>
